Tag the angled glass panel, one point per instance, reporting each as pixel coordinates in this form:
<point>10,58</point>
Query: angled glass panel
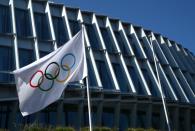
<point>60,30</point>
<point>92,81</point>
<point>23,24</point>
<point>136,82</point>
<point>93,38</point>
<point>134,47</point>
<point>121,43</point>
<point>104,76</point>
<point>149,82</point>
<point>74,26</point>
<point>120,78</point>
<point>42,26</point>
<point>107,40</point>
<point>5,19</point>
<point>174,88</point>
<point>26,57</point>
<point>6,63</point>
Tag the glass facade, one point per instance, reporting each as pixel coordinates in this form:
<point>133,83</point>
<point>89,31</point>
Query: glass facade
<point>104,76</point>
<point>5,19</point>
<point>26,57</point>
<point>7,64</point>
<point>93,38</point>
<point>23,24</point>
<point>60,30</point>
<point>136,81</point>
<point>107,40</point>
<point>42,26</point>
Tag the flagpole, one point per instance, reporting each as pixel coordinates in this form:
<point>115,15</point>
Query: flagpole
<point>89,104</point>
<point>158,78</point>
<point>87,85</point>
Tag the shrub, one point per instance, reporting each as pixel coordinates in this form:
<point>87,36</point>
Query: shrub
<point>97,129</point>
<point>64,129</point>
<point>36,127</point>
<point>135,129</point>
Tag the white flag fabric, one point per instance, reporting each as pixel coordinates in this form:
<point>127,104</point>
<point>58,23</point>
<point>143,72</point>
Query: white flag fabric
<point>43,81</point>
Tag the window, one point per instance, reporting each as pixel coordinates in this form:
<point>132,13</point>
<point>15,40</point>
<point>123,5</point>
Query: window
<point>92,36</point>
<point>6,64</point>
<point>22,23</point>
<point>60,30</point>
<point>5,19</point>
<point>26,57</point>
<point>107,40</point>
<point>134,47</point>
<point>124,121</point>
<point>174,88</point>
<point>135,80</point>
<point>42,26</point>
<point>108,118</point>
<point>149,82</point>
<point>141,119</point>
<point>74,26</point>
<point>104,76</point>
<point>155,121</point>
<point>4,114</point>
<point>121,43</point>
<point>92,79</point>
<point>120,78</point>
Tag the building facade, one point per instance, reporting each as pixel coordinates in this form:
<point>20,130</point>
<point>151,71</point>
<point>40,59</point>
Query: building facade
<point>122,76</point>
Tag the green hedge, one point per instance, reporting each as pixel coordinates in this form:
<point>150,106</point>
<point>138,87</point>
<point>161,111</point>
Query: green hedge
<point>97,129</point>
<point>141,129</point>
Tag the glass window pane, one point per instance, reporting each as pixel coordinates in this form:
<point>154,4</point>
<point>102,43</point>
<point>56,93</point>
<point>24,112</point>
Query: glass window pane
<point>74,26</point>
<point>6,64</point>
<point>121,43</point>
<point>136,81</point>
<point>108,119</point>
<point>5,19</point>
<point>104,76</point>
<point>149,82</point>
<point>42,26</point>
<point>92,37</point>
<point>120,78</point>
<point>92,79</point>
<point>26,57</point>
<point>107,40</point>
<point>60,31</point>
<point>22,23</point>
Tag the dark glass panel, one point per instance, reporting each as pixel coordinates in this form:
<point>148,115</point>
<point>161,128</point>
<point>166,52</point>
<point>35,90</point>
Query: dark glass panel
<point>60,30</point>
<point>23,25</point>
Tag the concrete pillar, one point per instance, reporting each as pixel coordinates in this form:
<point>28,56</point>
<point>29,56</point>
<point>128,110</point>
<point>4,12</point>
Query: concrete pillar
<point>12,116</point>
<point>149,116</point>
<point>117,115</point>
<point>187,119</point>
<point>133,117</point>
<point>99,114</point>
<point>60,114</point>
<point>176,119</point>
<point>162,119</point>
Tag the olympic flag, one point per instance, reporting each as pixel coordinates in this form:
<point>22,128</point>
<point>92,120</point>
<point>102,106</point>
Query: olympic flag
<point>43,81</point>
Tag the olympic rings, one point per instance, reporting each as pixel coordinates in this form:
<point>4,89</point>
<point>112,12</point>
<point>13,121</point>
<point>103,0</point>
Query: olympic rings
<point>61,81</point>
<point>52,72</point>
<point>50,77</point>
<point>42,89</point>
<point>65,56</point>
<point>40,80</point>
